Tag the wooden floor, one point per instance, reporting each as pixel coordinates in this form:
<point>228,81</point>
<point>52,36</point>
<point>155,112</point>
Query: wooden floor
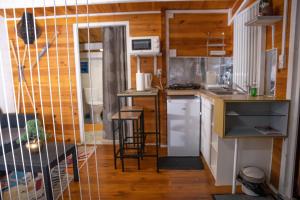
<point>141,184</point>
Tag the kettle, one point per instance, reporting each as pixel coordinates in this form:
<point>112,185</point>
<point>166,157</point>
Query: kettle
<point>148,81</point>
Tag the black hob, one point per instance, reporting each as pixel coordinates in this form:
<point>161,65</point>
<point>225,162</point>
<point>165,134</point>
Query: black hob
<point>184,86</point>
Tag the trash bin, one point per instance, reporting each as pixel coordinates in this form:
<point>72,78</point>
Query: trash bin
<point>252,180</point>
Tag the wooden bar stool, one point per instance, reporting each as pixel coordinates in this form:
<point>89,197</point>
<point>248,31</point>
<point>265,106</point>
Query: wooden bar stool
<point>129,146</point>
<point>136,109</point>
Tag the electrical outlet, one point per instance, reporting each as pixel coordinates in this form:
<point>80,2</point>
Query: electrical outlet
<point>172,53</point>
<point>281,61</point>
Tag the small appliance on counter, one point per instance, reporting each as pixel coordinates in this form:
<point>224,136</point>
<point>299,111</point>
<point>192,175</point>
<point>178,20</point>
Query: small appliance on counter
<point>148,81</point>
<point>140,47</point>
<point>143,81</point>
<point>140,81</point>
<point>144,45</point>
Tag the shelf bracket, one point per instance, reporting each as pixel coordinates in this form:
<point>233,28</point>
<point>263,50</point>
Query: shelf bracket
<point>138,64</point>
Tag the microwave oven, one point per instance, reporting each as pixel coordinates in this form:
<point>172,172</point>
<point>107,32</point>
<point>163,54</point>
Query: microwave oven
<point>145,45</point>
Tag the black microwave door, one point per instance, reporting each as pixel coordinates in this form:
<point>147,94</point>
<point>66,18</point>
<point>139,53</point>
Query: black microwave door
<point>141,44</point>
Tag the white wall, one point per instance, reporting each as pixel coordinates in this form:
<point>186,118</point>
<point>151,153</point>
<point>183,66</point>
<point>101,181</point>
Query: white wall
<point>95,72</point>
<point>5,72</point>
<point>248,51</point>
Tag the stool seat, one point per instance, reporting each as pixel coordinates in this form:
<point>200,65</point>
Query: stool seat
<point>127,116</point>
<point>132,109</point>
<point>130,146</point>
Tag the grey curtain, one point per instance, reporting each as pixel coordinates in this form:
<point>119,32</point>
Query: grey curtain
<point>114,72</point>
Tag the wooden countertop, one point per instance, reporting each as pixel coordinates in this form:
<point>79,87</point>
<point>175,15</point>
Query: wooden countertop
<point>181,92</point>
<point>211,96</point>
<point>134,93</point>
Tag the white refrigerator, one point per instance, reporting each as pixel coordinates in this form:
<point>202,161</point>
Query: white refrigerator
<point>184,125</point>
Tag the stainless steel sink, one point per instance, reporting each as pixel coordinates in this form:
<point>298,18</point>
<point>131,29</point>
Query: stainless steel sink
<point>226,92</point>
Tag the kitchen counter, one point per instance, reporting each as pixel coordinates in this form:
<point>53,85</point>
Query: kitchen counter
<point>181,92</point>
<point>199,92</point>
<point>211,96</point>
<point>230,110</point>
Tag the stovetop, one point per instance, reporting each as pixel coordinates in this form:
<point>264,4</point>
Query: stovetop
<point>184,86</point>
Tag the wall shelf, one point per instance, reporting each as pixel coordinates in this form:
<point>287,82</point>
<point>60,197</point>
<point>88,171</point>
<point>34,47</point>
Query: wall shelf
<point>264,20</point>
<point>261,118</point>
<point>250,113</point>
<point>243,119</point>
<point>249,132</point>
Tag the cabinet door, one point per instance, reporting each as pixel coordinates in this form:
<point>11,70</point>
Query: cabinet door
<point>206,130</point>
<point>183,127</point>
<point>203,136</point>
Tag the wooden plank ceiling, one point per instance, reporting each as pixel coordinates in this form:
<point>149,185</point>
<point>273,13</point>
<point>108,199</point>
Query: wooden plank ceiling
<point>131,7</point>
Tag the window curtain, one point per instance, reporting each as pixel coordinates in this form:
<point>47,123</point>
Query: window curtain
<point>114,72</point>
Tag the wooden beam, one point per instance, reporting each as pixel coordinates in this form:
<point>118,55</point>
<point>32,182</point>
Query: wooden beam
<point>239,9</point>
<point>238,6</point>
<point>41,3</point>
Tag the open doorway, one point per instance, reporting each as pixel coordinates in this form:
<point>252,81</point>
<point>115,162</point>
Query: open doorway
<point>102,70</point>
<point>91,68</point>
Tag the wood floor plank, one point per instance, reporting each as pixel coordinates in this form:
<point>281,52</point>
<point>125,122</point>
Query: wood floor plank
<point>142,184</point>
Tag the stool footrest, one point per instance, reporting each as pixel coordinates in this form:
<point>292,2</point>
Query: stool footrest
<point>132,109</point>
<point>126,116</point>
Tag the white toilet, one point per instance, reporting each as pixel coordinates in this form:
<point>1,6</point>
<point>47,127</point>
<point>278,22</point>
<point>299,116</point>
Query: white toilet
<point>93,98</point>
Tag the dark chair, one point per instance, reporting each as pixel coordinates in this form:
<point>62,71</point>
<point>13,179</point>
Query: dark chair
<point>11,135</point>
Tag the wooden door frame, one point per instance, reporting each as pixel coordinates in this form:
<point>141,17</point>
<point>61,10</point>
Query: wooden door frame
<point>297,171</point>
<point>77,63</point>
<point>289,148</point>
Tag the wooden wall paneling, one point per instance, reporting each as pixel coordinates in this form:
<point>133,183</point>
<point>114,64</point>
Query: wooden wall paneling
<point>238,3</point>
<point>140,25</point>
<point>281,81</point>
<point>189,33</point>
<point>132,7</point>
<point>236,6</point>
